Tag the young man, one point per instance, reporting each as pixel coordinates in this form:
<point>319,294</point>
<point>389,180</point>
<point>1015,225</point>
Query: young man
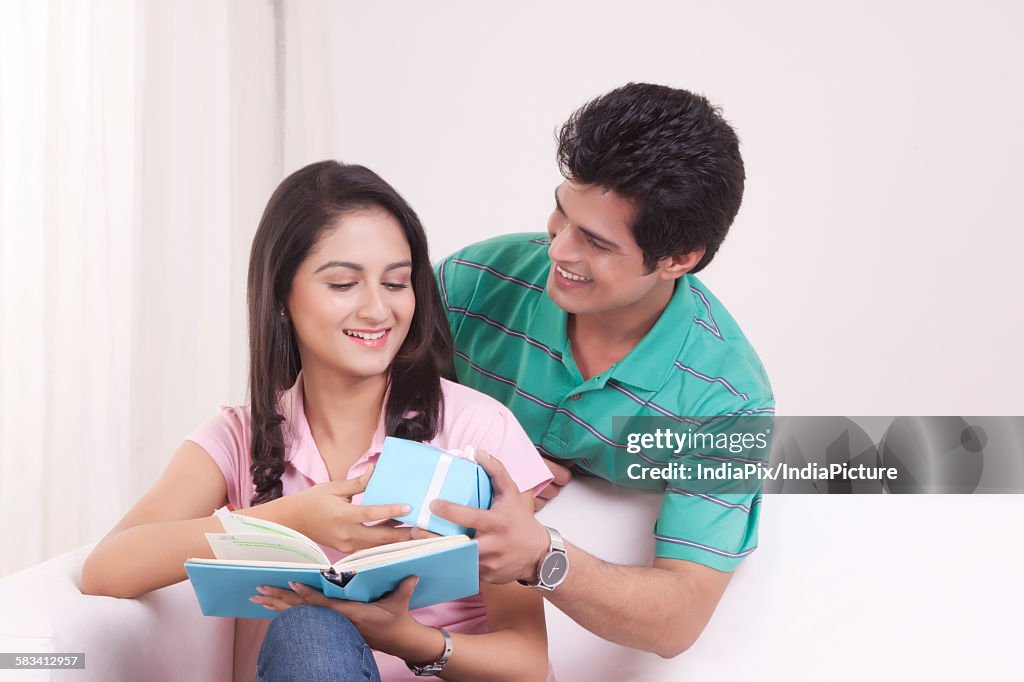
<point>603,317</point>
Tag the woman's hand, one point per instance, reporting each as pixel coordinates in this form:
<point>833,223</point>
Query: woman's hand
<point>325,514</point>
<point>385,624</point>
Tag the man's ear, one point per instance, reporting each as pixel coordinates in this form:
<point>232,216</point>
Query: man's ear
<point>676,266</point>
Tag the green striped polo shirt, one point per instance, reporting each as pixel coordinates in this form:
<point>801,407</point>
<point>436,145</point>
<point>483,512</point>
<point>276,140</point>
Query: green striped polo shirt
<point>511,343</point>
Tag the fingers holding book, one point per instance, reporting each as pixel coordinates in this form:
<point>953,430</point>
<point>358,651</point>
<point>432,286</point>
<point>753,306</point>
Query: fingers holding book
<point>385,624</point>
<point>279,599</point>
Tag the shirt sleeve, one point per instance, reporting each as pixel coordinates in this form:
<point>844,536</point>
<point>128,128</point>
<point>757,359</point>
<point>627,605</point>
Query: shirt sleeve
<point>714,522</point>
<point>506,440</point>
<point>225,438</point>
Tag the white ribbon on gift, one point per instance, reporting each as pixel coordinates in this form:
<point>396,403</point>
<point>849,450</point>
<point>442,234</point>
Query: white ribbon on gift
<point>444,462</point>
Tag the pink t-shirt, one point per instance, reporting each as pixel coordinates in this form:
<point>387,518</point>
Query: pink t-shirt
<point>468,418</point>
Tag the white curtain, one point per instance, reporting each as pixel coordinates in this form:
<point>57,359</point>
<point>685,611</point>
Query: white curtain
<point>139,142</point>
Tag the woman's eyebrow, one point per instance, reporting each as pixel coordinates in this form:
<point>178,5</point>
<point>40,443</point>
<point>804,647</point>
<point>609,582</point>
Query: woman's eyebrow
<point>339,264</point>
<point>360,268</point>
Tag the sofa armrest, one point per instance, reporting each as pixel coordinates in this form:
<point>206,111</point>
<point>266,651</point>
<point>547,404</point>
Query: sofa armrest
<point>159,636</point>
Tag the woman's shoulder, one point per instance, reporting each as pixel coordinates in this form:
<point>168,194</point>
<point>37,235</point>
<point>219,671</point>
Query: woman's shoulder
<point>470,416</point>
<point>230,429</point>
<point>469,403</point>
<point>227,431</point>
<point>473,418</point>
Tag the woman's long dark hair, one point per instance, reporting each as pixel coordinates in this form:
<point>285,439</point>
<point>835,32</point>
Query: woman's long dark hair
<point>304,206</point>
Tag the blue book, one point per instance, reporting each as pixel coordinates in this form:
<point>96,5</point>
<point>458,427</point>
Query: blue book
<point>260,552</point>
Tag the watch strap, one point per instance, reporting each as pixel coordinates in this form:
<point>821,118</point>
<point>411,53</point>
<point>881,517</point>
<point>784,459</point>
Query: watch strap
<point>437,666</point>
<point>557,543</point>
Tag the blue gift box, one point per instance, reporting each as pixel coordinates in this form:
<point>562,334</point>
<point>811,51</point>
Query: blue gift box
<point>416,474</point>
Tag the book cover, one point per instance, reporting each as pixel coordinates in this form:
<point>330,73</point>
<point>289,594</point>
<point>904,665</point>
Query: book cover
<point>448,568</point>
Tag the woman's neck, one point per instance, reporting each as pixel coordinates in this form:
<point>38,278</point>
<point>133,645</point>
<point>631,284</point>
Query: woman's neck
<point>343,414</point>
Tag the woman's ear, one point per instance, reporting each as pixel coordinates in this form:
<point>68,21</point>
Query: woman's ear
<point>674,267</point>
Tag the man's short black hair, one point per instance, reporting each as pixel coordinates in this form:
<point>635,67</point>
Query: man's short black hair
<point>669,151</point>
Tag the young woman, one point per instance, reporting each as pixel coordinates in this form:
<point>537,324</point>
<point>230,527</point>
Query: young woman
<point>347,343</point>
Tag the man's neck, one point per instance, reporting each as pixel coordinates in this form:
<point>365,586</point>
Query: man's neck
<point>599,340</point>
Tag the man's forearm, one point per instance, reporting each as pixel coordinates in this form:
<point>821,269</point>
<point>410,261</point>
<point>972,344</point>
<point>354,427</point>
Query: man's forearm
<point>662,609</point>
<point>649,608</point>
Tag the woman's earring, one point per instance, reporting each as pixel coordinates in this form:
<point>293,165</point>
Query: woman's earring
<point>284,317</point>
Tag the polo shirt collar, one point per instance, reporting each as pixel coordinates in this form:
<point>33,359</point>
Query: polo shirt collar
<point>549,326</point>
<point>651,361</point>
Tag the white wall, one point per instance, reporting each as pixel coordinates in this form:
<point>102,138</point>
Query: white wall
<point>871,263</point>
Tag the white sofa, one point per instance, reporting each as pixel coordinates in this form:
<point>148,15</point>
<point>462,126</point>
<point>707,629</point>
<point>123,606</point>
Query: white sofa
<point>847,588</point>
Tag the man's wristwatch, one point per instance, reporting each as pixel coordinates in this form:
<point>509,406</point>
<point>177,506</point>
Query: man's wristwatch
<point>553,567</point>
<point>437,666</point>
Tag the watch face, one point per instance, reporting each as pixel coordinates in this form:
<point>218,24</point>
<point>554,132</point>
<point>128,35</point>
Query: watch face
<point>553,568</point>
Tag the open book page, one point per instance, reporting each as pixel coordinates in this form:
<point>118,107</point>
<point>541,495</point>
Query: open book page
<point>246,547</point>
<point>229,550</point>
<point>258,563</point>
<point>246,538</point>
<point>236,523</point>
<point>396,551</point>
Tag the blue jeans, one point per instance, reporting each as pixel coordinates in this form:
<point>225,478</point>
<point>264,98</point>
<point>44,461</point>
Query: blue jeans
<point>314,644</point>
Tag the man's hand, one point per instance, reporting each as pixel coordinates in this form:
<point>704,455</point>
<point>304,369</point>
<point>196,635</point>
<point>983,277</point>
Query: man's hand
<point>562,475</point>
<point>511,541</point>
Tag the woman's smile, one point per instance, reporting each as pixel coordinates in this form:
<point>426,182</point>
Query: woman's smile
<point>369,338</point>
